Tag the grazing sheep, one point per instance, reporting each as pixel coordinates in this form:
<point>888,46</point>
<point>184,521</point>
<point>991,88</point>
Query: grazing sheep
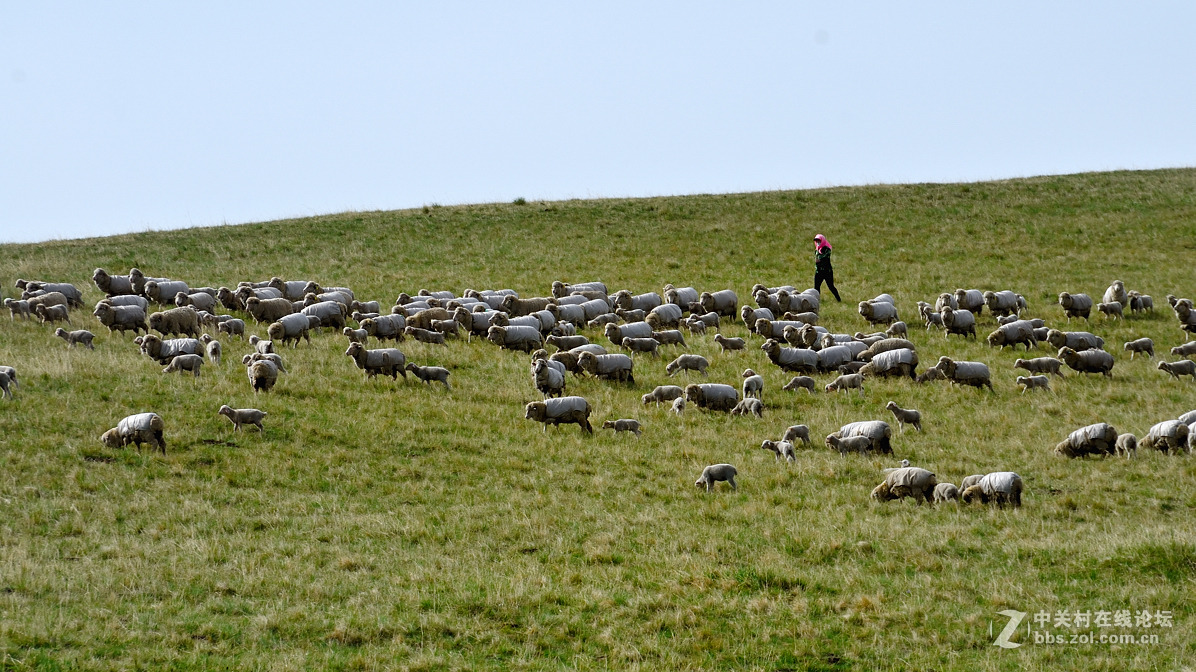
<point>648,345</point>
<point>717,472</point>
<point>549,380</point>
<point>1096,439</point>
<point>679,405</point>
<point>17,307</point>
<point>427,336</point>
<point>912,482</point>
<point>1034,382</point>
<point>851,381</point>
<point>1166,437</point>
<point>749,407</point>
<point>1183,367</point>
<point>1127,444</point>
<point>1110,310</point>
<point>1004,303</point>
<point>753,384</point>
<point>900,362</point>
<point>233,327</point>
<point>192,363</point>
<point>438,373</point>
<point>792,359</point>
<point>663,393</point>
<point>1001,487</point>
<point>242,416</point>
<point>623,425</point>
<point>969,481</point>
<point>181,321</point>
<point>1040,365</point>
<point>878,312</point>
<point>515,337</point>
<point>615,366</point>
<point>1088,361</point>
<point>562,410</point>
<point>163,351</point>
<point>805,382</point>
<point>670,337</point>
<point>78,336</point>
<point>53,314</point>
<point>780,449</point>
<point>386,361</point>
<point>961,322</point>
<point>1075,305</point>
<point>137,429</point>
<point>1141,345</point>
<point>712,396</point>
<point>975,374</point>
<point>878,431</point>
<point>849,444</point>
<point>945,492</point>
<point>794,432</point>
<point>729,343</point>
<point>905,416</point>
<point>1186,350</point>
<point>687,363</point>
<point>1116,293</point>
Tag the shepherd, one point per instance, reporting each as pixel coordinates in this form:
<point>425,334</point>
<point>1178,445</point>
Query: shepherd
<point>822,266</point>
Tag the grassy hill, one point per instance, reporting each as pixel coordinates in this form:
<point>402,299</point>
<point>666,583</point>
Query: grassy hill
<point>382,525</point>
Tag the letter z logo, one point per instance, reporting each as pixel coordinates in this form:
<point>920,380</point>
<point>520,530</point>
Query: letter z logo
<point>1015,619</point>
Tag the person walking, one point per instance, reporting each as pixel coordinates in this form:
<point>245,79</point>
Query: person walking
<point>822,266</point>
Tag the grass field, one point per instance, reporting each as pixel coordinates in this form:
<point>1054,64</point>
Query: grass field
<point>392,525</point>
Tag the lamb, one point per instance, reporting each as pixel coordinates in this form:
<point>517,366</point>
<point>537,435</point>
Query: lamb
<point>878,431</point>
<point>960,322</point>
<point>780,449</point>
<point>17,307</point>
<point>165,350</point>
<point>356,335</point>
<point>549,380</point>
<point>945,492</point>
<point>1033,382</point>
<point>753,384</point>
<point>233,327</point>
<point>242,416</point>
<point>1141,345</point>
<point>1075,305</point>
<point>1004,303</point>
<point>1110,310</point>
<point>712,396</point>
<point>665,316</point>
<point>900,362</point>
<point>849,444</point>
<point>1183,367</point>
<point>975,374</point>
<point>263,346</point>
<point>679,405</point>
<point>437,373</point>
<point>53,314</point>
<point>192,363</point>
<point>805,382</point>
<point>1096,439</point>
<point>386,361</point>
<point>78,336</point>
<point>670,337</point>
<point>717,472</point>
<point>566,342</point>
<point>969,481</point>
<point>291,328</point>
<point>905,416</point>
<point>1186,350</point>
<point>1012,333</point>
<point>1140,302</point>
<point>749,407</point>
<point>695,325</point>
<point>847,382</point>
<point>624,425</point>
<point>1166,437</point>
<point>930,375</point>
<point>723,302</point>
<point>971,300</point>
<point>562,410</point>
<point>268,310</point>
<point>1126,444</point>
<point>729,343</point>
<point>137,429</point>
<point>1040,365</point>
<point>1001,487</point>
<point>791,359</point>
<point>912,482</point>
<point>794,432</point>
<point>897,329</point>
<point>631,315</point>
<point>1088,361</point>
<point>648,345</point>
<point>112,285</point>
<point>514,337</point>
<point>663,393</point>
<point>613,367</point>
<point>878,313</point>
<point>1116,293</point>
<point>687,363</point>
<point>710,320</point>
<point>427,335</point>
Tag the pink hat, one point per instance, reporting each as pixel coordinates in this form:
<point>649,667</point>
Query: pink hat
<point>822,242</point>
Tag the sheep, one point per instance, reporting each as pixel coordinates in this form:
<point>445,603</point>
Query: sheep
<point>776,328</point>
<point>260,345</point>
<point>1116,293</point>
<point>1012,333</point>
<point>1004,303</point>
<point>1127,444</point>
<point>712,396</point>
<point>780,449</point>
<point>163,291</point>
<point>945,492</point>
<point>560,289</point>
<point>900,362</point>
<point>569,358</point>
<point>562,410</point>
<point>292,290</point>
<point>751,315</point>
<point>969,481</point>
<point>566,342</point>
<point>687,363</point>
<point>17,307</point>
<point>385,327</point>
<point>930,375</point>
<point>795,432</point>
<point>1186,315</point>
<point>5,382</point>
<point>1096,439</point>
<point>72,294</point>
<point>749,407</point>
<point>648,345</point>
<point>670,337</point>
<point>1183,367</point>
<point>292,328</point>
<point>386,361</point>
<point>515,306</point>
<point>971,300</point>
<point>905,416</point>
<point>365,307</point>
<point>47,299</point>
<point>912,482</point>
<point>275,358</point>
<point>137,429</point>
<point>975,374</point>
<point>961,322</point>
<point>197,300</point>
<point>78,336</point>
<point>1140,302</point>
<point>897,329</point>
<point>426,335</point>
<point>330,314</point>
<point>679,296</point>
<point>711,320</point>
<point>878,313</point>
<point>1075,305</point>
<point>192,363</point>
<point>514,337</point>
<point>729,343</point>
<point>624,300</point>
<point>268,310</point>
<point>717,472</point>
<point>1033,382</point>
<point>1141,345</point>
<point>633,315</point>
<point>430,373</point>
<point>1000,487</point>
<point>182,321</point>
<point>662,393</point>
<point>946,299</point>
<point>1088,361</point>
<point>164,350</point>
<point>878,431</point>
<point>1186,350</point>
<point>624,425</point>
<point>549,380</point>
<point>356,335</point>
<point>112,285</point>
<point>1110,310</point>
<point>884,345</point>
<point>753,384</point>
<point>613,367</point>
<point>1040,365</point>
<point>233,327</point>
<point>723,302</point>
<point>242,416</point>
<point>602,320</point>
<point>665,316</point>
<point>563,329</point>
<point>847,382</point>
<point>1166,437</point>
<point>805,382</point>
<point>53,314</point>
<point>695,326</point>
<point>849,444</point>
<point>678,405</point>
<point>791,359</point>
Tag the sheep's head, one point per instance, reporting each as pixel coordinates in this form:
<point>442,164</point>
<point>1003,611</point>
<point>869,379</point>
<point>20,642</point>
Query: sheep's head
<point>111,438</point>
<point>882,493</point>
<point>973,492</point>
<point>535,410</point>
<point>693,393</point>
<point>353,351</point>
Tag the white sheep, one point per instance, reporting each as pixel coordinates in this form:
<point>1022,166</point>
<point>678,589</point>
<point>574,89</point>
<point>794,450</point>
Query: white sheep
<point>1127,445</point>
<point>624,425</point>
<point>214,349</point>
<point>1140,345</point>
<point>137,429</point>
<point>717,472</point>
<point>687,363</point>
<point>78,336</point>
<point>1186,350</point>
<point>905,416</point>
<point>850,381</point>
<point>17,307</point>
<point>679,405</point>
<point>753,384</point>
<point>1110,310</point>
<point>794,432</point>
<point>780,449</point>
<point>192,363</point>
<point>1034,382</point>
<point>849,444</point>
<point>750,406</point>
<point>243,416</point>
<point>1183,367</point>
<point>232,327</point>
<point>1001,487</point>
<point>805,382</point>
<point>945,492</point>
<point>1040,365</point>
<point>259,345</point>
<point>912,482</point>
<point>729,343</point>
<point>663,393</point>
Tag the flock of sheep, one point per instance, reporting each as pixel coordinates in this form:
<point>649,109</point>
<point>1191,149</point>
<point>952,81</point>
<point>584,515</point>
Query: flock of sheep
<point>786,321</point>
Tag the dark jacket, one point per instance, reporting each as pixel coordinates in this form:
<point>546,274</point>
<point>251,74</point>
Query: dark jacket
<point>822,261</point>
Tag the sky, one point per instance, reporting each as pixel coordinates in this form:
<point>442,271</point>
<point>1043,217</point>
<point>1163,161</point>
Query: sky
<point>132,116</point>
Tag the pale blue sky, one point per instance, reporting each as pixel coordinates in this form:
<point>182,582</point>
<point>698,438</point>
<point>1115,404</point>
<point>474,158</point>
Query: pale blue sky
<point>128,116</point>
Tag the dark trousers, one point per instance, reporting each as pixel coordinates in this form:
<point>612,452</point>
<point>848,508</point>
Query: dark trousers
<point>829,277</point>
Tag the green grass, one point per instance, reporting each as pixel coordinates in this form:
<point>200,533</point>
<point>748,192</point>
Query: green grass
<point>383,525</point>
